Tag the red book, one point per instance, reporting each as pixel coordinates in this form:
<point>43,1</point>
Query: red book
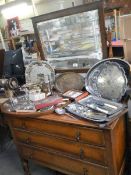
<point>75,94</point>
<point>85,94</point>
<point>49,101</point>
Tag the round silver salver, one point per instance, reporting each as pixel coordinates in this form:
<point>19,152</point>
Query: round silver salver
<point>107,80</point>
<point>38,70</point>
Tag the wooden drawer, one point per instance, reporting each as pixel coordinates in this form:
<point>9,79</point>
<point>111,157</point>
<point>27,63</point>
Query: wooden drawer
<point>72,132</point>
<point>79,150</point>
<point>62,163</point>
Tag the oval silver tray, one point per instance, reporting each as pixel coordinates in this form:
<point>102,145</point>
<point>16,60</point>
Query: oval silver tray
<point>107,79</point>
<point>37,68</point>
<point>69,81</point>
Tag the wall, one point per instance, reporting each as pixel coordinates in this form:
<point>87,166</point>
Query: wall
<point>55,5</point>
<point>26,24</point>
<point>46,6</point>
<point>126,4</point>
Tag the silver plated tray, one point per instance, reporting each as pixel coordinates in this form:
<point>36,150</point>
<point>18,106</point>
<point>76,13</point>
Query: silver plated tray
<point>86,113</point>
<point>69,81</point>
<point>107,80</point>
<point>36,70</point>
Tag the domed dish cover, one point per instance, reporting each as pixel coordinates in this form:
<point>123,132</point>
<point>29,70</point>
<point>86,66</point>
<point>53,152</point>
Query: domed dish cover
<point>38,69</point>
<point>107,79</point>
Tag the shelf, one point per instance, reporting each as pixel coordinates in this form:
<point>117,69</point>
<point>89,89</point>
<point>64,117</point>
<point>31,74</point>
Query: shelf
<point>26,33</point>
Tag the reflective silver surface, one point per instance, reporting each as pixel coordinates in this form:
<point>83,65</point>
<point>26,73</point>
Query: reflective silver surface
<point>38,71</point>
<point>71,41</point>
<point>86,113</point>
<point>102,105</point>
<point>69,81</point>
<point>107,80</point>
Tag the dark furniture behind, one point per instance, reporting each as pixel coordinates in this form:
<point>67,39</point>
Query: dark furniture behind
<point>2,54</point>
<point>14,65</point>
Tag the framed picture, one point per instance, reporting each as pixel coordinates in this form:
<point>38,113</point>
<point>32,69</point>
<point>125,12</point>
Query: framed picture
<point>13,26</point>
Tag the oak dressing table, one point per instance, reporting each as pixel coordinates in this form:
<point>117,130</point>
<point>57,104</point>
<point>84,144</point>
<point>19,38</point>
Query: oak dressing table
<point>69,145</point>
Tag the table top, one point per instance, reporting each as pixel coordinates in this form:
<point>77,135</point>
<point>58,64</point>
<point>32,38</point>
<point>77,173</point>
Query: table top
<point>65,119</point>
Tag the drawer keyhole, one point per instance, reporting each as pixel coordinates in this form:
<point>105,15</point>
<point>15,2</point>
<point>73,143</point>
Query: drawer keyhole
<point>77,136</point>
<point>85,171</point>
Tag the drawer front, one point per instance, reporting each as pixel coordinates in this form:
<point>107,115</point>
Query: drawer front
<point>79,150</point>
<point>80,134</point>
<point>62,163</point>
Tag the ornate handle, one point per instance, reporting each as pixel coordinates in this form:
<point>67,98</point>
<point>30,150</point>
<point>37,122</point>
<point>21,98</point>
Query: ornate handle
<point>77,136</point>
<point>28,140</point>
<point>30,156</point>
<point>23,126</point>
<point>85,171</point>
<point>81,153</point>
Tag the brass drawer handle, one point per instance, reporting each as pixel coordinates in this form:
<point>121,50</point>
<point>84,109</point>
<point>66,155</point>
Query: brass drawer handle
<point>28,140</point>
<point>77,137</point>
<point>30,156</point>
<point>85,171</point>
<point>23,125</point>
<point>81,153</point>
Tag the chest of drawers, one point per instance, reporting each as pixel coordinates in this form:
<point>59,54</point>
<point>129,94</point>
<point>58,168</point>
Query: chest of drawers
<point>68,145</point>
